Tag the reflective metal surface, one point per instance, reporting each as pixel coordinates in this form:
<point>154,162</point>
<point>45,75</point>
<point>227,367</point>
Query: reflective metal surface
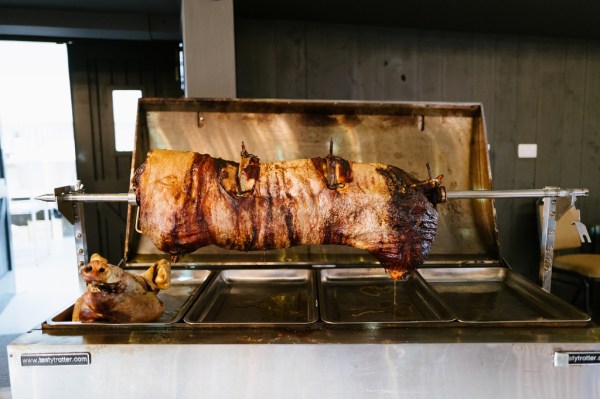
<point>185,286</point>
<point>451,137</point>
<point>419,363</point>
<point>497,296</point>
<point>370,298</point>
<point>257,298</point>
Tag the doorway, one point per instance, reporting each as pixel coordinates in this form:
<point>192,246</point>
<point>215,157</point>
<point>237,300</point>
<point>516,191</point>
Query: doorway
<point>38,154</point>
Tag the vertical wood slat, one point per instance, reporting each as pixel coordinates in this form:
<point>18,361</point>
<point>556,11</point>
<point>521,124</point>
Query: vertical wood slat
<point>400,68</point>
<point>330,61</point>
<point>369,57</point>
<point>108,70</point>
<point>590,154</point>
<point>291,60</point>
<point>457,68</point>
<point>526,99</point>
<point>550,113</point>
<point>503,144</point>
<point>429,66</point>
<point>573,113</point>
<point>483,78</point>
<point>95,123</point>
<point>524,240</point>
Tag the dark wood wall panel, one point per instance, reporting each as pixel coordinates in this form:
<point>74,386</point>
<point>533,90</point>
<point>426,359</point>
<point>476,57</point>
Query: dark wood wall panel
<point>290,60</point>
<point>573,111</point>
<point>534,90</point>
<point>400,69</point>
<point>590,154</point>
<point>96,69</point>
<point>429,67</point>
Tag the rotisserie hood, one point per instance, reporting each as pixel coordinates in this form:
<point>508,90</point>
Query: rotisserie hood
<point>450,137</point>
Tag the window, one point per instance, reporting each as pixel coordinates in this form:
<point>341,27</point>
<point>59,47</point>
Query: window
<point>124,116</point>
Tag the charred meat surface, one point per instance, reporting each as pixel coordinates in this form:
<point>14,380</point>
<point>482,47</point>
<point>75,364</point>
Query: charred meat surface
<point>114,295</point>
<point>189,200</point>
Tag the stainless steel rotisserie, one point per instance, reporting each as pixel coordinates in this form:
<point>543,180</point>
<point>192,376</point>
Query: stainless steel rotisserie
<point>326,320</point>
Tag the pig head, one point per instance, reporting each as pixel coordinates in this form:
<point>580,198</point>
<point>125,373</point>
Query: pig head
<point>114,295</point>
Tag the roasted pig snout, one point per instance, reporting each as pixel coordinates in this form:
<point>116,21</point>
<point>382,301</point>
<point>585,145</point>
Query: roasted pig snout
<point>114,295</point>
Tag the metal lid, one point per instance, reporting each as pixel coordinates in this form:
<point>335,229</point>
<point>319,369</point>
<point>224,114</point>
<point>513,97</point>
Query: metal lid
<point>451,137</point>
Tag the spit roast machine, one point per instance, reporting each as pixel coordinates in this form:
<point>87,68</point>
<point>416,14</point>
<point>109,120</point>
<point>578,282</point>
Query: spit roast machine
<point>326,321</point>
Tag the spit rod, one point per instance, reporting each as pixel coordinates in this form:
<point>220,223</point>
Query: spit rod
<point>526,193</point>
<point>467,194</point>
<point>83,197</point>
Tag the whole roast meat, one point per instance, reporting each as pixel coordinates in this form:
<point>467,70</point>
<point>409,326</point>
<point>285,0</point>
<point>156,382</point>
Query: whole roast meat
<point>114,295</point>
<point>189,200</point>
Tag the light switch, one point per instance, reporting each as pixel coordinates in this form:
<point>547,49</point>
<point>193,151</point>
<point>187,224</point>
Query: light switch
<point>527,150</point>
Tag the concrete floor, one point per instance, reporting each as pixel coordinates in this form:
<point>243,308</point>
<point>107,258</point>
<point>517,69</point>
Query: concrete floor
<point>46,281</point>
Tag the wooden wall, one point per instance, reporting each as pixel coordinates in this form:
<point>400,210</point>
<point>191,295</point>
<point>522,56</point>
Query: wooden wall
<point>534,90</point>
<point>96,69</point>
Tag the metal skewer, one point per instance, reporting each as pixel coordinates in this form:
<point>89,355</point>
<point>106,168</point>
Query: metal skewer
<point>465,194</point>
<point>82,197</point>
<point>528,193</point>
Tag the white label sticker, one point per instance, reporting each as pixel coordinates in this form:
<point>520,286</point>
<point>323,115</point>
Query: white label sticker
<point>564,359</point>
<point>56,359</point>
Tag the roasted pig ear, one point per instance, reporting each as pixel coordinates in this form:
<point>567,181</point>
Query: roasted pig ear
<point>158,276</point>
<point>248,172</point>
<point>337,171</point>
<point>98,257</point>
<point>163,274</point>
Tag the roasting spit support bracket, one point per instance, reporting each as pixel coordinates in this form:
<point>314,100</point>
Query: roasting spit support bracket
<point>74,213</point>
<point>552,210</point>
<point>556,202</point>
<point>547,230</point>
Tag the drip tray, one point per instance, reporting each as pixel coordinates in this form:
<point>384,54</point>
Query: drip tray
<point>270,298</point>
<point>177,299</point>
<point>369,296</point>
<point>495,296</point>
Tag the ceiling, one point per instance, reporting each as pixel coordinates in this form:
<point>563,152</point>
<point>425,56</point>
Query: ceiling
<point>167,7</point>
<point>573,18</point>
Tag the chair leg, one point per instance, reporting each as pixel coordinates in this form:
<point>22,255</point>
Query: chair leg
<point>586,295</point>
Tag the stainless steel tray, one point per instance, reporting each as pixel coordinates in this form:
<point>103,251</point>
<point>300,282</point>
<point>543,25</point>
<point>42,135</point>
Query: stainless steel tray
<point>496,296</point>
<point>277,297</point>
<point>369,296</point>
<point>185,286</point>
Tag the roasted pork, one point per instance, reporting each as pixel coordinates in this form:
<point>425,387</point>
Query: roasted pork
<point>189,200</point>
<point>115,295</point>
